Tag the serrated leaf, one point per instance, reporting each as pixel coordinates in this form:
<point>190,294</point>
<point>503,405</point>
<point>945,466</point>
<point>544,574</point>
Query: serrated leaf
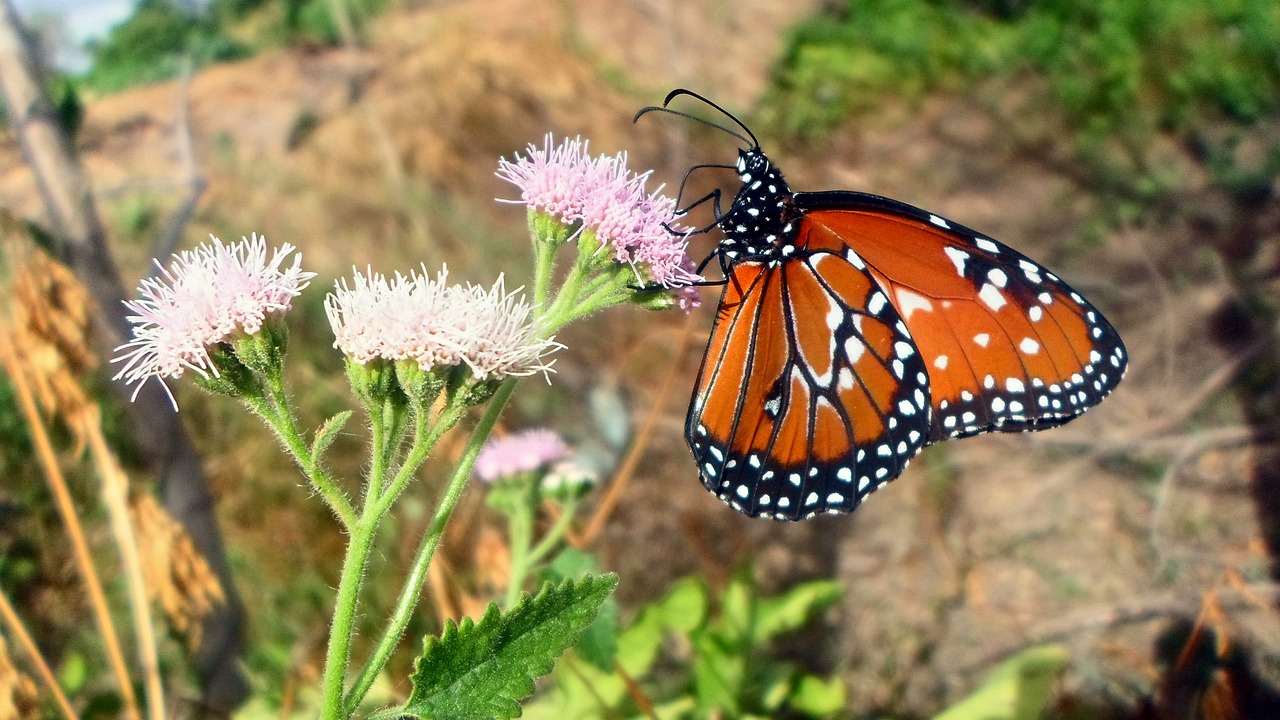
<point>327,433</point>
<point>599,643</point>
<point>791,610</point>
<point>483,669</point>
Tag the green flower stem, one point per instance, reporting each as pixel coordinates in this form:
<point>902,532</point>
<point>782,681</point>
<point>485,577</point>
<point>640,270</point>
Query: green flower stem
<point>553,536</point>
<point>426,437</point>
<point>382,423</point>
<point>426,551</point>
<point>542,266</point>
<point>567,297</point>
<point>378,421</point>
<point>607,294</point>
<point>344,611</point>
<point>521,533</point>
<point>394,417</point>
<point>277,416</point>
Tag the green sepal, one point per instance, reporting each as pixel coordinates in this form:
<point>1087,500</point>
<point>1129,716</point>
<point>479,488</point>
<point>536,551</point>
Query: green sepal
<point>234,379</point>
<point>264,351</point>
<point>422,386</point>
<point>548,230</point>
<point>373,381</point>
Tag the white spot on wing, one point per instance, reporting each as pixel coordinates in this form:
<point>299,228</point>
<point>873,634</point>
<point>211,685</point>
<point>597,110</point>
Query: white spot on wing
<point>958,257</point>
<point>982,339</point>
<point>853,349</point>
<point>1029,346</point>
<point>992,297</point>
<point>940,362</point>
<point>909,302</point>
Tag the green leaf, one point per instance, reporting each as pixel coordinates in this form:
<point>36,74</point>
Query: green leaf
<point>817,697</point>
<point>685,607</point>
<point>790,611</point>
<point>328,433</point>
<point>1020,688</point>
<point>570,562</point>
<point>599,643</point>
<point>737,608</point>
<point>482,670</point>
<point>718,673</point>
<point>638,645</point>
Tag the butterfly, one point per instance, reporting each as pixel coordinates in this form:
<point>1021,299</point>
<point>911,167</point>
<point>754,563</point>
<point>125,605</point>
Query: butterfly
<point>854,330</point>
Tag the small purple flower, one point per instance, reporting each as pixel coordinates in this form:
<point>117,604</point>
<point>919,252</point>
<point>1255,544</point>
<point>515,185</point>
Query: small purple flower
<point>435,324</point>
<point>205,297</point>
<point>637,226</point>
<point>519,453</point>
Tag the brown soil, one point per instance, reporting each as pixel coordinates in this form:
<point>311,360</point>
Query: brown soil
<point>981,548</point>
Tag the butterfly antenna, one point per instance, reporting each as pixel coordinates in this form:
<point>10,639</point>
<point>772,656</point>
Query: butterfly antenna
<point>663,108</point>
<point>682,91</point>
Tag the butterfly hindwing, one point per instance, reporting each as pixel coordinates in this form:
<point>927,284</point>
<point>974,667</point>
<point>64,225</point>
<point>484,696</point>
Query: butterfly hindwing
<point>1007,344</point>
<point>812,394</point>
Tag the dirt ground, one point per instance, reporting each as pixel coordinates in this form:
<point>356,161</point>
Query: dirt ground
<point>1093,535</point>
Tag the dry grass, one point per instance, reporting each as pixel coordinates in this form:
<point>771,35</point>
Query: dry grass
<point>177,576</point>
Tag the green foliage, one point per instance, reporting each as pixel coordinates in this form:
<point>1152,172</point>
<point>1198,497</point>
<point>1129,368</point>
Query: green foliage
<point>728,673</point>
<point>151,45</point>
<point>482,670</point>
<point>599,643</point>
<point>1020,688</point>
<point>1118,72</point>
<point>161,35</point>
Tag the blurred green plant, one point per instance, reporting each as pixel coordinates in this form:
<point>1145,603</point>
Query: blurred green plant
<point>1119,73</point>
<point>154,42</point>
<point>1020,688</point>
<point>722,664</point>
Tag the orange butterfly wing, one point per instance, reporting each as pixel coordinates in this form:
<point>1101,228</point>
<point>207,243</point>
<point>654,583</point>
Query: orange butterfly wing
<point>1008,346</point>
<point>811,394</point>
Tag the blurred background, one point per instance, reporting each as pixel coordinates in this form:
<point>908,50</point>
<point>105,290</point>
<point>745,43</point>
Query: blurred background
<point>1131,145</point>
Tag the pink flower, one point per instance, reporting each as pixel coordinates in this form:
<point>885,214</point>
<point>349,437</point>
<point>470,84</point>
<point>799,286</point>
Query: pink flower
<point>553,180</point>
<point>603,195</point>
<point>521,452</point>
<point>435,324</point>
<point>205,297</point>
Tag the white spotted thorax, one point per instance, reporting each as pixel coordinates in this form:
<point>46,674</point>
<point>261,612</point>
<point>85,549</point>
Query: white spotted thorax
<point>757,220</point>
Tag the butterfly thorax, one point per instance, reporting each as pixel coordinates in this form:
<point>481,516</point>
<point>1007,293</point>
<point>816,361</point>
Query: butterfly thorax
<point>758,225</point>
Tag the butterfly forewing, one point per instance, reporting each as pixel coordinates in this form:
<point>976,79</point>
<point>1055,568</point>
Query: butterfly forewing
<point>1008,346</point>
<point>811,394</point>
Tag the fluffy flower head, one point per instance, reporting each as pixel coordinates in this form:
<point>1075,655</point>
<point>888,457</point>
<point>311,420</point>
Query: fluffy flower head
<point>436,324</point>
<point>519,453</point>
<point>601,194</point>
<point>204,297</point>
